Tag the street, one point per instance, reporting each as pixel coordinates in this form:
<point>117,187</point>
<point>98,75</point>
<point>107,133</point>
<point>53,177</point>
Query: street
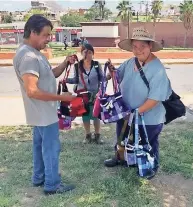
<point>11,104</point>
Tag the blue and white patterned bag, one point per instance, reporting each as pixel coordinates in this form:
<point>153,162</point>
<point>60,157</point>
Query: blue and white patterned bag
<point>138,153</point>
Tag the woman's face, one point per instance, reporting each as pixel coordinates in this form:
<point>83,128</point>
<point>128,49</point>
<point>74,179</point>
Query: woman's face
<point>141,49</point>
<point>87,54</point>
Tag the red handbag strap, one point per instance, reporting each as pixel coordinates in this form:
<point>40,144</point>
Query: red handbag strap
<point>82,77</point>
<point>67,72</point>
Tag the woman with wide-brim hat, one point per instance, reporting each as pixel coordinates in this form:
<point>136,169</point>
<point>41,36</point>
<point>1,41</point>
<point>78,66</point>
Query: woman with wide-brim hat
<point>136,93</point>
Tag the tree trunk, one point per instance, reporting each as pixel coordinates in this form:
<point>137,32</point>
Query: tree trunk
<point>185,38</point>
<point>154,25</point>
<point>128,32</point>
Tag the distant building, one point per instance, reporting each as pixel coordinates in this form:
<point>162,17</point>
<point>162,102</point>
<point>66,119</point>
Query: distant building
<point>77,11</point>
<point>51,14</point>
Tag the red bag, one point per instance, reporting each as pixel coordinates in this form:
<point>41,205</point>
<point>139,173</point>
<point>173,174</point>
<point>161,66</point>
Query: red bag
<point>83,92</point>
<point>77,107</point>
<point>73,108</point>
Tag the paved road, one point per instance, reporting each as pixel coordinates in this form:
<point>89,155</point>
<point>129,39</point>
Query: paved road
<point>11,105</point>
<point>181,78</point>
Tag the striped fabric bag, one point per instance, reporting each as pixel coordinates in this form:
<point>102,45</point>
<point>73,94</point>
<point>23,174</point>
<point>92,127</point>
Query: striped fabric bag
<point>113,107</point>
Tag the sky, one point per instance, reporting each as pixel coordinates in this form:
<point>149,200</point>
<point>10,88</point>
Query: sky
<point>13,5</point>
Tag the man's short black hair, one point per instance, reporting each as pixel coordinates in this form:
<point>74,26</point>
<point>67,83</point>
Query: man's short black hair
<point>35,24</point>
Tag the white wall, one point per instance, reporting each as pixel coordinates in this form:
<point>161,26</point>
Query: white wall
<point>100,31</point>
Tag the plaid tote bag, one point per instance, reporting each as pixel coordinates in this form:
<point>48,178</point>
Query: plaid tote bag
<point>144,154</point>
<point>113,107</point>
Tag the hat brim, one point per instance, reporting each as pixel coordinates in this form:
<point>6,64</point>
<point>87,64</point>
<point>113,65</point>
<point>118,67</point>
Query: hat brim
<point>126,44</point>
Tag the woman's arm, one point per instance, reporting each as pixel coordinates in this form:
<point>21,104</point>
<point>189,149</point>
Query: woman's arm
<point>148,105</point>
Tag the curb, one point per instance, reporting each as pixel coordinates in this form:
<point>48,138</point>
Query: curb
<point>116,63</point>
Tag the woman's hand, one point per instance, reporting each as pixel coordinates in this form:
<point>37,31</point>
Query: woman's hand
<point>110,66</point>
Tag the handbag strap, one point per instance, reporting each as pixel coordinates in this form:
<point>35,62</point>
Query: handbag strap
<point>137,130</point>
<point>145,131</point>
<point>114,76</point>
<point>82,79</point>
<point>142,74</point>
<point>104,81</point>
<point>131,117</point>
<point>120,138</point>
<point>67,72</point>
<point>63,81</point>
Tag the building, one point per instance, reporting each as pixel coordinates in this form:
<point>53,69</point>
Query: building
<point>12,33</point>
<point>42,6</point>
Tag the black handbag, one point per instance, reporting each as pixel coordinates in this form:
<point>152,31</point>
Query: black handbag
<point>173,106</point>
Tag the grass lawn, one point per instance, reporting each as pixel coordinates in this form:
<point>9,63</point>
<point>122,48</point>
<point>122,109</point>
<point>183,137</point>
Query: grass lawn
<point>60,52</point>
<point>98,186</point>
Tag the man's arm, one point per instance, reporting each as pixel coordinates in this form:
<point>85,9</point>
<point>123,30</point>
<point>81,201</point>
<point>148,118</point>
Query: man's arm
<point>32,90</point>
<point>59,69</point>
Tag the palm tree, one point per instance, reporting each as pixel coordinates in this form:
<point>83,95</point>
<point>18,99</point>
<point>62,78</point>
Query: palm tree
<point>156,8</point>
<point>101,7</point>
<point>186,11</point>
<point>125,13</point>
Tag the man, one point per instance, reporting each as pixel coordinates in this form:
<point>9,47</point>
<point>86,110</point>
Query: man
<point>65,42</point>
<point>38,87</point>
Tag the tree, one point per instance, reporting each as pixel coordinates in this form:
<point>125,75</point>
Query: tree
<point>125,13</point>
<point>101,5</point>
<point>34,11</point>
<point>94,13</point>
<point>7,19</point>
<point>186,11</point>
<point>72,20</point>
<point>156,8</point>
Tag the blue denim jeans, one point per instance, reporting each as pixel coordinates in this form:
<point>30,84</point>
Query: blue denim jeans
<point>46,150</point>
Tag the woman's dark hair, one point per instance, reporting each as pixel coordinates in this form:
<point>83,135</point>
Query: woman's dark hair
<point>87,47</point>
<point>35,24</point>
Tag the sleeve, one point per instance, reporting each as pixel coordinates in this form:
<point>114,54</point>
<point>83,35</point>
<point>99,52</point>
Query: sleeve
<point>121,70</point>
<point>29,65</point>
<point>160,88</point>
<point>75,78</point>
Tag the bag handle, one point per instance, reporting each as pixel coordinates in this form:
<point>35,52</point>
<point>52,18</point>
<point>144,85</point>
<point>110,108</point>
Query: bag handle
<point>59,87</point>
<point>131,117</point>
<point>120,138</point>
<point>82,79</point>
<point>137,130</point>
<point>114,76</point>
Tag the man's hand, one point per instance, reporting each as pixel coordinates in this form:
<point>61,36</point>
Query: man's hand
<point>71,59</point>
<point>67,96</point>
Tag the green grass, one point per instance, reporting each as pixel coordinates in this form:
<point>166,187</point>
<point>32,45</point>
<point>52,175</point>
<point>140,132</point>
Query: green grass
<point>59,52</point>
<point>113,50</point>
<point>82,165</point>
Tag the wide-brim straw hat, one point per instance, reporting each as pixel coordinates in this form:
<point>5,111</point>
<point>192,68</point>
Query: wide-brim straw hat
<point>141,34</point>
